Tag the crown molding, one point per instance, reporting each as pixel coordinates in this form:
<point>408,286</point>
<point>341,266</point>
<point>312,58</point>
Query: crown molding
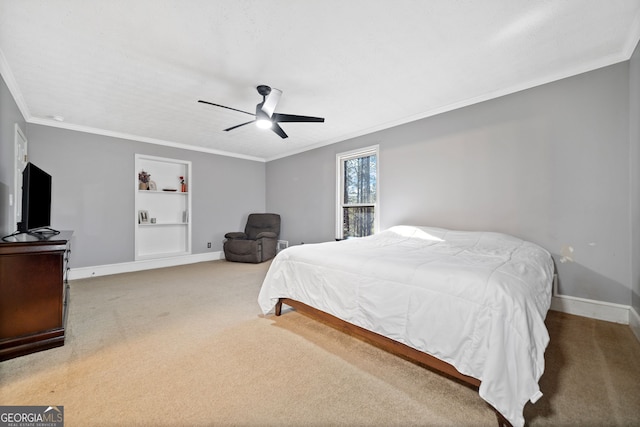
<point>122,135</point>
<point>11,83</point>
<point>606,61</point>
<point>623,55</point>
<point>634,37</point>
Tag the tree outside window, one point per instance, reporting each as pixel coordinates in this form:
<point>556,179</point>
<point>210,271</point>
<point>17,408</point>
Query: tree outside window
<point>358,193</point>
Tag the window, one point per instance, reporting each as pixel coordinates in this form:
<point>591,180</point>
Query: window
<point>357,193</point>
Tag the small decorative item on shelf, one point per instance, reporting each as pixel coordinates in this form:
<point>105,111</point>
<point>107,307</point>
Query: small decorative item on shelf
<point>143,217</point>
<point>143,180</point>
<point>183,184</point>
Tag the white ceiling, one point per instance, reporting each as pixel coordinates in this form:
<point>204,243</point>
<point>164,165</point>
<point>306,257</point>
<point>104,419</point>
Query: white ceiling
<point>136,68</point>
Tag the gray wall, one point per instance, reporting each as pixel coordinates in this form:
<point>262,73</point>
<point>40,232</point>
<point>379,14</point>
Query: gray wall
<point>549,164</point>
<point>634,140</point>
<point>9,116</point>
<point>93,193</point>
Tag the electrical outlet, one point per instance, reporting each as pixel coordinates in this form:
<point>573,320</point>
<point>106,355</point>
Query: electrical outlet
<point>209,245</point>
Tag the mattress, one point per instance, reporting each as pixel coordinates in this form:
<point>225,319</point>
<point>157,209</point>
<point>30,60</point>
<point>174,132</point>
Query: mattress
<point>476,300</point>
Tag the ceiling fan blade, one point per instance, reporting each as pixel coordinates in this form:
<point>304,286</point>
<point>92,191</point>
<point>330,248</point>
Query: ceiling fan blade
<point>269,104</point>
<point>277,129</point>
<point>284,118</point>
<point>237,126</point>
<point>228,108</point>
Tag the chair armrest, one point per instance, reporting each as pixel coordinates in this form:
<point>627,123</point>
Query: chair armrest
<point>267,234</point>
<point>235,235</point>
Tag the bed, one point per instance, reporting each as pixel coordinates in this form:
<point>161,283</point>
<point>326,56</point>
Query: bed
<point>470,304</point>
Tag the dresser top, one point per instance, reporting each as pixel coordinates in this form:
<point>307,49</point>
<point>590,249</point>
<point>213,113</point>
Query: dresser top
<point>21,243</point>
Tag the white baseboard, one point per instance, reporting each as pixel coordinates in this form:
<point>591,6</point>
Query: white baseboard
<point>600,310</point>
<point>126,267</point>
<point>634,322</point>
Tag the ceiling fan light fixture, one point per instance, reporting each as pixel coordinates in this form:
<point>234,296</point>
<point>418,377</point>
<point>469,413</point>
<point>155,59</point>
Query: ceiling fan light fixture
<point>265,116</point>
<point>264,123</point>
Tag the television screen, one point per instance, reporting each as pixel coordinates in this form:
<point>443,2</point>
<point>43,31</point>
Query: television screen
<point>36,199</point>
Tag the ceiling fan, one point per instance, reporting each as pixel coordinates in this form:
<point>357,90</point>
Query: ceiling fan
<point>265,117</point>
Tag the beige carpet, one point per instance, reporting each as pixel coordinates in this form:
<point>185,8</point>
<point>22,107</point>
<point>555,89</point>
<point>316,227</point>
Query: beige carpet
<point>187,346</point>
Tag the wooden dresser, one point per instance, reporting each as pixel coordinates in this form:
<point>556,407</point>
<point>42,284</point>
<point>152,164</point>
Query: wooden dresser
<point>33,293</point>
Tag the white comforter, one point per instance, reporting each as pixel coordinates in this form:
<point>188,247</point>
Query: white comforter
<point>476,300</point>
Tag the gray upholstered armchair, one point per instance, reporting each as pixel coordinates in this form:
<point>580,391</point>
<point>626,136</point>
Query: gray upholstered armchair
<point>259,241</point>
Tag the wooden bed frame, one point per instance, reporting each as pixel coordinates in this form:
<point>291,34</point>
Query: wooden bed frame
<point>386,344</point>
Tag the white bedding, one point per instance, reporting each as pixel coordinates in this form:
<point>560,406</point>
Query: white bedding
<point>476,300</point>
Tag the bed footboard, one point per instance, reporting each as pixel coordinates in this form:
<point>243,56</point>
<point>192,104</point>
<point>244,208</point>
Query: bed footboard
<point>386,344</point>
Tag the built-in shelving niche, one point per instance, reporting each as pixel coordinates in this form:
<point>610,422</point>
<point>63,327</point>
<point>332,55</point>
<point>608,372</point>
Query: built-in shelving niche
<point>162,213</point>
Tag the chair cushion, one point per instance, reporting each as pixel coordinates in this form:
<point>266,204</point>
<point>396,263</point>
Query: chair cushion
<point>257,223</point>
<point>241,247</point>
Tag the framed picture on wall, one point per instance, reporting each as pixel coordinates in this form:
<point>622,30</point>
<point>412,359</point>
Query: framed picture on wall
<point>143,217</point>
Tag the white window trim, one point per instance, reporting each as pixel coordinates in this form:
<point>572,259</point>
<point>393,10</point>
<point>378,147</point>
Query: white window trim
<point>340,158</point>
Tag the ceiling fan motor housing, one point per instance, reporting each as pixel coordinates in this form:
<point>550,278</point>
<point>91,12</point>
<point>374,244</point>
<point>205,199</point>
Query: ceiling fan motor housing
<point>264,90</point>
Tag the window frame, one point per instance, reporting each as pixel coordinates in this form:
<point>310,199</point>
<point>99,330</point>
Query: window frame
<point>341,158</point>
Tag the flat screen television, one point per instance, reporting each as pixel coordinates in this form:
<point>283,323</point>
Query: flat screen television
<point>36,201</point>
